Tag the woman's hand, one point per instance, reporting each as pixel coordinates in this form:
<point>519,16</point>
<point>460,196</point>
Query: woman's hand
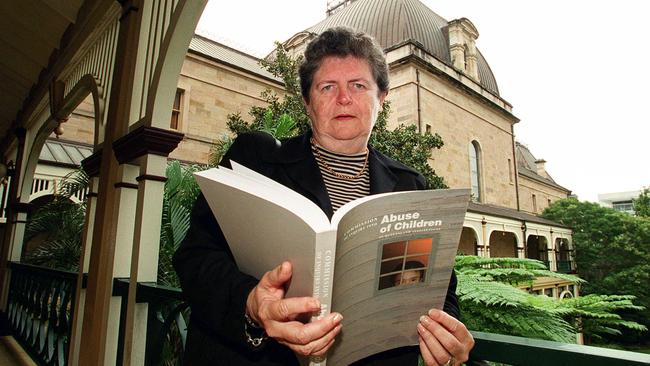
<point>444,340</point>
<point>267,306</point>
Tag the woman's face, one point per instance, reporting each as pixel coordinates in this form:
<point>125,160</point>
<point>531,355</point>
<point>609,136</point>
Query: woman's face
<point>344,101</point>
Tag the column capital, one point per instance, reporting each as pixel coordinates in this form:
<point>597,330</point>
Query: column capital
<point>22,207</point>
<point>146,140</point>
<point>92,163</point>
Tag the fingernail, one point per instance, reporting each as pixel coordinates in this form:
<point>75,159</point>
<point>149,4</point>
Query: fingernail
<point>314,304</point>
<point>420,328</point>
<point>337,318</point>
<point>425,319</point>
<point>431,312</point>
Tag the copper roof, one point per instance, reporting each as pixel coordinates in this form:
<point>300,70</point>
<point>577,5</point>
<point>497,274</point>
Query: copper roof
<point>392,22</point>
<point>229,56</point>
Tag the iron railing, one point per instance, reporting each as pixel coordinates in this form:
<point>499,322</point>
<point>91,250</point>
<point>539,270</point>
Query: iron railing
<point>40,310</point>
<point>517,351</point>
<point>167,319</point>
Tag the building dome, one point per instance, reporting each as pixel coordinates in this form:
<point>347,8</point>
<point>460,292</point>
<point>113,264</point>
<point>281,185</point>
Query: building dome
<point>392,22</point>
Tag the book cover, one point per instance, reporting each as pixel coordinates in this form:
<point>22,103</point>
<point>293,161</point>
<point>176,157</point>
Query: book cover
<point>382,262</point>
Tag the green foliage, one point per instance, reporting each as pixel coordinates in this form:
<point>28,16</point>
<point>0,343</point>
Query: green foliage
<point>642,204</point>
<point>53,232</point>
<point>285,116</point>
<point>406,145</point>
<point>612,251</point>
<point>289,105</point>
<point>57,227</point>
<point>220,147</point>
<point>492,300</point>
<point>598,314</point>
<point>179,196</point>
<point>284,67</point>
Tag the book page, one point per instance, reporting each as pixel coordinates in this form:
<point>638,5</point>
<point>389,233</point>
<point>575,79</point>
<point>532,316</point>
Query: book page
<point>264,226</point>
<point>394,259</point>
<point>250,181</point>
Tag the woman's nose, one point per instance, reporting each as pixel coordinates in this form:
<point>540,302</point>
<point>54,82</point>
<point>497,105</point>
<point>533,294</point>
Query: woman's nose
<point>343,97</point>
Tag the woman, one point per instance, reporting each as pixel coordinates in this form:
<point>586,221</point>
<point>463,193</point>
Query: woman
<point>239,320</point>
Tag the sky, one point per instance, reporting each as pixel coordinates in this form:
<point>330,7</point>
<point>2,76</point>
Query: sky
<point>577,74</point>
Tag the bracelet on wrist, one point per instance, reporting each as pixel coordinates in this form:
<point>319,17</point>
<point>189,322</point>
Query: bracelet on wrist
<point>255,334</point>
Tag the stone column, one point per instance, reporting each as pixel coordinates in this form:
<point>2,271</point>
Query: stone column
<point>91,167</point>
<point>99,306</point>
<point>150,146</point>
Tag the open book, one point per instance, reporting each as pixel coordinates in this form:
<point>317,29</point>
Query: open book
<point>382,261</point>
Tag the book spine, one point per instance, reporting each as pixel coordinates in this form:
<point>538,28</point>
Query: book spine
<point>324,251</point>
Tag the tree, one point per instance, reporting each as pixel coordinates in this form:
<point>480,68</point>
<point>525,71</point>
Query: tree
<point>492,301</point>
<point>612,251</point>
<point>642,204</point>
<point>286,116</point>
<point>407,146</point>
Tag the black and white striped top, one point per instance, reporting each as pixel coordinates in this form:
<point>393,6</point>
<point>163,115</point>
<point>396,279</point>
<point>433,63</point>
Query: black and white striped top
<point>341,190</point>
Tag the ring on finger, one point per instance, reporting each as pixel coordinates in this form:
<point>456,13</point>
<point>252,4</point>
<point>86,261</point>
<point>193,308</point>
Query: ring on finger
<point>451,361</point>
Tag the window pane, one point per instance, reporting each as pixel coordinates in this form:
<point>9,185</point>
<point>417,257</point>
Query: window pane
<point>174,121</point>
<point>474,172</point>
<point>391,266</point>
<point>176,110</point>
<point>393,250</point>
<point>419,246</point>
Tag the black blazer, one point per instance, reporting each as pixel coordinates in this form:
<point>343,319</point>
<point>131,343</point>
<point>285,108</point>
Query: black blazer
<point>217,291</point>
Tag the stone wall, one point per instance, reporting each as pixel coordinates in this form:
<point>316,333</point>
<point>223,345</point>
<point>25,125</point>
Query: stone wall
<point>459,118</point>
<point>544,195</point>
<point>80,126</point>
<point>212,91</point>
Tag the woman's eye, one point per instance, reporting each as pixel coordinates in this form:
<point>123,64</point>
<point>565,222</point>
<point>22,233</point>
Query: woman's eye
<point>359,86</point>
<point>327,88</point>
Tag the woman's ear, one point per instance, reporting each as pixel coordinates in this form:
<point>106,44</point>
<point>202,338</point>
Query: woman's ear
<point>382,97</point>
<point>305,101</point>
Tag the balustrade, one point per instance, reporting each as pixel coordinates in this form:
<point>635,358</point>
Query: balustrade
<point>40,310</point>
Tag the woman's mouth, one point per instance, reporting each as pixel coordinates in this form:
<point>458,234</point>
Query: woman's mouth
<point>343,117</point>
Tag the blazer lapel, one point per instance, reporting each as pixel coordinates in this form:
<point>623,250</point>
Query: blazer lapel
<point>382,179</point>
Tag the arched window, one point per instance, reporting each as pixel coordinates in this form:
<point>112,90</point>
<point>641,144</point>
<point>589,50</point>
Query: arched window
<point>474,171</point>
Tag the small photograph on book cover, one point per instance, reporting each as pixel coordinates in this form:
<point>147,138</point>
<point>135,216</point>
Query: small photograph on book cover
<point>404,263</point>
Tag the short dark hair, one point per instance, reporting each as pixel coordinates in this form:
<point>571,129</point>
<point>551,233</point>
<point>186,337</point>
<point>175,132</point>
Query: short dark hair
<point>342,42</point>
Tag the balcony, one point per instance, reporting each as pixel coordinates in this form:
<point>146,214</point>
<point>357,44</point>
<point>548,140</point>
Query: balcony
<point>41,314</point>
